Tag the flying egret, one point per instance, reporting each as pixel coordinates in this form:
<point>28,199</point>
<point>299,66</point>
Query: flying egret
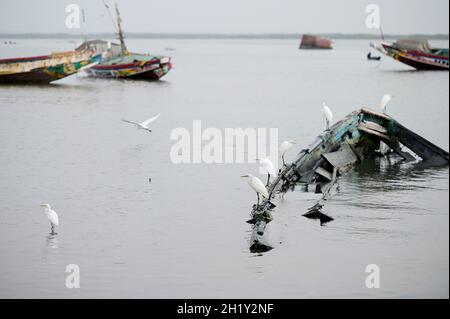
<point>52,217</point>
<point>284,148</point>
<point>385,101</point>
<point>144,125</point>
<point>328,115</point>
<point>267,165</point>
<point>257,186</point>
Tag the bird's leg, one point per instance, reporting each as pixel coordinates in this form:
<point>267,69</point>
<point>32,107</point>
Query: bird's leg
<point>268,179</point>
<point>257,194</point>
<point>282,157</point>
<point>53,230</point>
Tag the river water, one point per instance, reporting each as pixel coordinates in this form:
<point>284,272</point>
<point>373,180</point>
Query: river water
<point>183,235</point>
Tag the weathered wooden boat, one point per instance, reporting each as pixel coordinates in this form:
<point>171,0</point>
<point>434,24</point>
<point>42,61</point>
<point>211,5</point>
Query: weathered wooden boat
<point>310,41</point>
<point>416,53</point>
<point>119,63</point>
<point>352,140</point>
<point>47,68</point>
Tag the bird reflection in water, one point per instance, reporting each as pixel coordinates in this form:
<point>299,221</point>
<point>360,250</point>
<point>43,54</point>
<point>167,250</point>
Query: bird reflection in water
<point>52,241</point>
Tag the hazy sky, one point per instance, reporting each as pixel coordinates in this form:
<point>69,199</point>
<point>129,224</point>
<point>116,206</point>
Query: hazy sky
<point>229,16</point>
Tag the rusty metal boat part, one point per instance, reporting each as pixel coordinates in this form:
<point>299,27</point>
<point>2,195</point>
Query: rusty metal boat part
<point>348,142</point>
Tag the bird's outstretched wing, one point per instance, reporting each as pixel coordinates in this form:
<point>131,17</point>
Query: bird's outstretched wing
<point>131,122</point>
<point>150,120</point>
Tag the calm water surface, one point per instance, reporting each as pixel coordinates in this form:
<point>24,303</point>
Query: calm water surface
<point>184,234</point>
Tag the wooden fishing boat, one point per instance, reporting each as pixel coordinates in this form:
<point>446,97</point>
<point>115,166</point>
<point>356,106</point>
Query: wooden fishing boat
<point>47,68</point>
<point>119,63</point>
<point>310,41</point>
<point>124,65</point>
<point>416,53</point>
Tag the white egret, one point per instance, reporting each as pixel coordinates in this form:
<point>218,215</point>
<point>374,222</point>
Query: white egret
<point>328,115</point>
<point>144,125</point>
<point>267,165</point>
<point>384,149</point>
<point>257,186</point>
<point>385,101</point>
<point>52,217</point>
<point>284,148</point>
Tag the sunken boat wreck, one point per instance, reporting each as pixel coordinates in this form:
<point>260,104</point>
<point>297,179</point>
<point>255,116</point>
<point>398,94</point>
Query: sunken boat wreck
<point>313,42</point>
<point>348,142</point>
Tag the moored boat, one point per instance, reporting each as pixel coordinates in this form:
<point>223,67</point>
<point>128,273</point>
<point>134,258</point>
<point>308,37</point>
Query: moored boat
<point>119,63</point>
<point>416,53</point>
<point>47,68</point>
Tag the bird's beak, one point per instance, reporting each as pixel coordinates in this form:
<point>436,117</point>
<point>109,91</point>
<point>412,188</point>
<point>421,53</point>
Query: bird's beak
<point>42,205</point>
<point>244,176</point>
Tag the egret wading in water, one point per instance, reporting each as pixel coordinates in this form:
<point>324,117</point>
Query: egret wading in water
<point>52,217</point>
<point>284,148</point>
<point>384,102</point>
<point>267,165</point>
<point>144,125</point>
<point>328,115</point>
<point>257,185</point>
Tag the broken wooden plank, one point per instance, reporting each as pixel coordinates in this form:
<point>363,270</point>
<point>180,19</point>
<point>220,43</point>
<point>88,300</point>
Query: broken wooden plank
<point>342,158</point>
<point>364,128</point>
<point>324,173</point>
<point>375,127</point>
<point>377,114</point>
<point>421,146</point>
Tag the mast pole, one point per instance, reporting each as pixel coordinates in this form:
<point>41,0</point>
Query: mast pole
<point>120,32</point>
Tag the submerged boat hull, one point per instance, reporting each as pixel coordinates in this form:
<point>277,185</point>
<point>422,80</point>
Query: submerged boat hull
<point>312,42</point>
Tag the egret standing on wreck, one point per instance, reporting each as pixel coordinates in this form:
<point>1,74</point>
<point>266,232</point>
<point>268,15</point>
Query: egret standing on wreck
<point>284,148</point>
<point>384,149</point>
<point>328,115</point>
<point>257,185</point>
<point>267,165</point>
<point>52,217</point>
<point>385,101</point>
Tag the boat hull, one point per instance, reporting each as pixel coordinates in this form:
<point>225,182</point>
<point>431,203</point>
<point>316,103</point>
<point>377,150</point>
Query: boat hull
<point>312,42</point>
<point>417,60</point>
<point>151,71</point>
<point>38,76</point>
<point>44,70</point>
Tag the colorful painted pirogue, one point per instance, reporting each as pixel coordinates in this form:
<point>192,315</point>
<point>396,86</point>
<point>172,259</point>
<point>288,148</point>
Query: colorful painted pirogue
<point>120,63</point>
<point>416,53</point>
<point>124,65</point>
<point>47,68</point>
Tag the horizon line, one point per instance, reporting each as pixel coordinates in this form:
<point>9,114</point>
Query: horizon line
<point>183,35</point>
